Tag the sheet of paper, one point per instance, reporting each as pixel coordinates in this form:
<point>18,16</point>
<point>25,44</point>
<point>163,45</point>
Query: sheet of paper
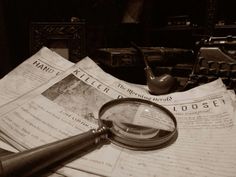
<point>69,104</point>
<point>70,172</point>
<point>6,146</point>
<point>30,74</point>
<point>33,72</point>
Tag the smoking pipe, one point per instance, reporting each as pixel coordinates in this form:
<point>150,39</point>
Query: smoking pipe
<point>157,85</point>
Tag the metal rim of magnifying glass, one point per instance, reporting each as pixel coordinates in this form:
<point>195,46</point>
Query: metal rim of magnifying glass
<point>137,144</point>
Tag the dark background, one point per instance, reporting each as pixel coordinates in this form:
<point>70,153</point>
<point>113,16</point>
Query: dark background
<point>104,23</point>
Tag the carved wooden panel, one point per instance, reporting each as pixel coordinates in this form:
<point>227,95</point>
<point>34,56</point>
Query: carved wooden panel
<point>66,36</point>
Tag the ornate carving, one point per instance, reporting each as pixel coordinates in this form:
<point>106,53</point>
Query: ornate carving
<point>72,34</point>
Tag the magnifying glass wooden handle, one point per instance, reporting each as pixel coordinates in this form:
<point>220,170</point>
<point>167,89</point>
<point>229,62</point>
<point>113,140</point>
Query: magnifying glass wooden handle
<point>29,162</point>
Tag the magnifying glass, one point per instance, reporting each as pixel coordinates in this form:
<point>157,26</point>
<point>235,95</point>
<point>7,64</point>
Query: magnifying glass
<point>130,123</point>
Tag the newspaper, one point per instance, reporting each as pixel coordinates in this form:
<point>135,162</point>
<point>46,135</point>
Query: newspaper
<point>33,72</point>
<point>68,105</point>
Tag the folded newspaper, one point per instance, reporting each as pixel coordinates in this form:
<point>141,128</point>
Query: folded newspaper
<point>33,72</point>
<point>68,104</point>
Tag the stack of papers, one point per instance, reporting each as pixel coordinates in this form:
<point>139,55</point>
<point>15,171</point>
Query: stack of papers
<point>47,98</point>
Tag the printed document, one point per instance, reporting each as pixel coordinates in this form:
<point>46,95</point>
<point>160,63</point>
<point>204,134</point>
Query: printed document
<point>69,103</point>
<point>30,74</point>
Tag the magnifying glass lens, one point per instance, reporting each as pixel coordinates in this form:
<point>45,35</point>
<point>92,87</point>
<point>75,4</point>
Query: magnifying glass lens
<point>136,121</point>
